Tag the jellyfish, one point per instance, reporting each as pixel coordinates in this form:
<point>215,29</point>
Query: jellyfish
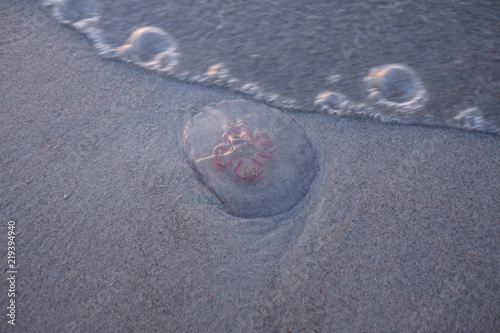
<point>256,159</point>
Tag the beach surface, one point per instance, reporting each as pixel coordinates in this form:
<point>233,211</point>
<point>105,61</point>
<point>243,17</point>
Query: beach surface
<point>115,232</point>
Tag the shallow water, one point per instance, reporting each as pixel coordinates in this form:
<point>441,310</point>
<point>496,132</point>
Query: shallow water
<point>316,57</point>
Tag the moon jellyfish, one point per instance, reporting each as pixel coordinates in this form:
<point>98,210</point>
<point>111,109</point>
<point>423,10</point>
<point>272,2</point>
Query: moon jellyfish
<point>395,86</point>
<point>257,160</point>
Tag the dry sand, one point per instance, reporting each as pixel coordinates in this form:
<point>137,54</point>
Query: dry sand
<point>115,233</point>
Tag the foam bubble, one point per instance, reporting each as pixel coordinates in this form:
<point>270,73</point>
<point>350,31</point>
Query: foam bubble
<point>332,103</point>
<point>74,12</point>
<point>473,119</point>
<point>150,47</point>
<point>396,86</point>
<point>216,74</point>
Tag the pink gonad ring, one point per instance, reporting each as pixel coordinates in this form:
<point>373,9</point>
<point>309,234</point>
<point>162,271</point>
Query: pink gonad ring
<point>244,151</point>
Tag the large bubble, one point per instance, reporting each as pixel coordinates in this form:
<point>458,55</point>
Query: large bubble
<point>78,13</point>
<point>256,159</point>
<point>151,48</point>
<point>396,86</point>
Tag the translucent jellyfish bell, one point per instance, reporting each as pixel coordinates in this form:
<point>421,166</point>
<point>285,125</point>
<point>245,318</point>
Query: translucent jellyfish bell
<point>256,159</point>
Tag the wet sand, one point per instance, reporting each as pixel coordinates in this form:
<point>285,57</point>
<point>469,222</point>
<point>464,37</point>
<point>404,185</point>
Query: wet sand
<point>399,231</point>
